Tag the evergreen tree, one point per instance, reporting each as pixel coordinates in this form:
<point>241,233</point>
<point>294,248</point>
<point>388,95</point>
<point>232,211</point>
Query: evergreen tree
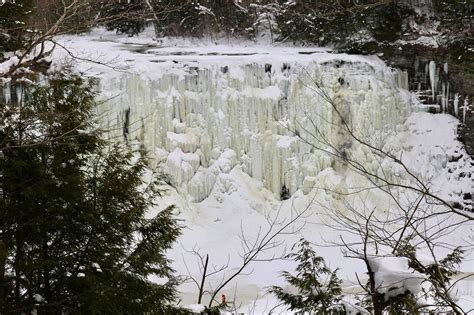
<point>13,18</point>
<point>345,24</point>
<point>73,233</point>
<point>318,287</point>
<point>126,17</point>
<point>439,273</point>
<point>203,17</point>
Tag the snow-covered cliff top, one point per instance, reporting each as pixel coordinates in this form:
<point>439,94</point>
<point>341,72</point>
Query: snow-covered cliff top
<point>106,54</point>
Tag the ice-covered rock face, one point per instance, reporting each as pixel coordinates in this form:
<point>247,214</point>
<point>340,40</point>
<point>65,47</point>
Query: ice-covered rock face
<point>202,119</point>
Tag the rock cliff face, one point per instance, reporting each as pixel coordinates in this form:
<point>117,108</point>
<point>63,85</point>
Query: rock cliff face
<point>444,79</point>
<point>209,115</point>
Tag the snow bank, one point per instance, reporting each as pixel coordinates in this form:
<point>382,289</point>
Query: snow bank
<point>195,308</point>
<point>393,276</point>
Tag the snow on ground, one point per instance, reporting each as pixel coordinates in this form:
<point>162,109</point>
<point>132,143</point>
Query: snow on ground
<point>214,226</point>
<point>438,155</point>
<point>195,308</point>
<point>231,202</point>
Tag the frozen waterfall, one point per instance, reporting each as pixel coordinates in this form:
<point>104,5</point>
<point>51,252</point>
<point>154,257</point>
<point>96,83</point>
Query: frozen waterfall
<point>201,116</point>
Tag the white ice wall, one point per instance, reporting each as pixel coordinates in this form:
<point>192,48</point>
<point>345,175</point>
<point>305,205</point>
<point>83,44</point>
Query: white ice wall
<point>202,120</point>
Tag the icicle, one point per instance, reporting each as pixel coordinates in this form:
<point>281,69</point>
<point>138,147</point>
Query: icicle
<point>19,94</point>
<point>464,109</point>
<point>443,98</point>
<point>456,104</point>
<point>7,92</point>
<point>405,80</point>
<point>402,79</point>
<point>427,71</point>
<point>432,70</point>
<point>447,97</point>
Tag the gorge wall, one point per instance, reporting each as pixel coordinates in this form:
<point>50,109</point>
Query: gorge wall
<point>444,80</point>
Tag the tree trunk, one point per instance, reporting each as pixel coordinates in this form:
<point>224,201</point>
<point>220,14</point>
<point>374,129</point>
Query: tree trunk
<point>45,270</point>
<point>377,298</point>
<point>3,261</point>
<point>204,274</point>
<point>17,267</point>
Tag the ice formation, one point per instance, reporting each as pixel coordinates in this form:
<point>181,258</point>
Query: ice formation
<point>433,78</point>
<point>210,116</point>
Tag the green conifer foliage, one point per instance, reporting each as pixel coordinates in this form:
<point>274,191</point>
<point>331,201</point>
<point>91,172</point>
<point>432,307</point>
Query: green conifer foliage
<point>13,17</point>
<point>439,273</point>
<point>74,238</point>
<point>203,18</point>
<point>344,24</point>
<point>318,288</point>
<point>126,17</point>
